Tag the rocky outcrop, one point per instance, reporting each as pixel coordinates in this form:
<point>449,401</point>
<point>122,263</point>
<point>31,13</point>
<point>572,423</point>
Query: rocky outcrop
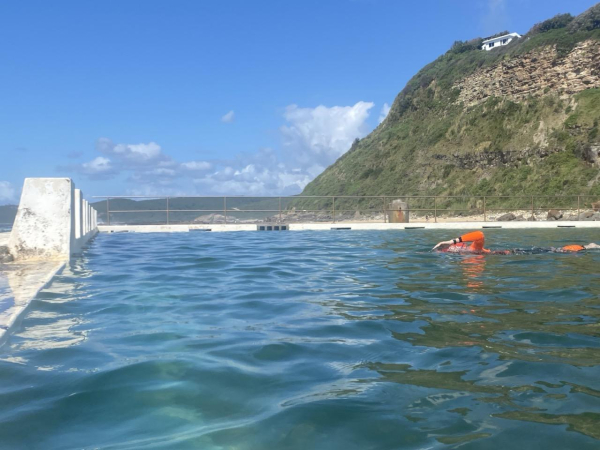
<point>485,159</point>
<point>535,73</point>
<point>554,214</point>
<point>507,217</point>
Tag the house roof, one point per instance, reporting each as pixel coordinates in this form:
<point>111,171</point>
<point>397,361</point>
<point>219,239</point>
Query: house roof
<point>497,38</point>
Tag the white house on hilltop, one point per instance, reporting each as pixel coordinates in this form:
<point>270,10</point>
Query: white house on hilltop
<point>499,41</point>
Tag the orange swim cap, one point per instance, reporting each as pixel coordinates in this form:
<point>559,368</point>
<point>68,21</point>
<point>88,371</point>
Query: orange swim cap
<point>573,248</point>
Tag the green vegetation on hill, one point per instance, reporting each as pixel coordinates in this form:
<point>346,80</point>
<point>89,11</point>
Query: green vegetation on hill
<point>432,144</point>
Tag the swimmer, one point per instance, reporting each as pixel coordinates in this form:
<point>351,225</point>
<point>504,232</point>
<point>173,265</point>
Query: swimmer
<point>477,240</point>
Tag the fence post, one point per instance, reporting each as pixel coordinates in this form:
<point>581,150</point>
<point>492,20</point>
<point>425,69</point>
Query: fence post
<point>225,208</point>
<point>168,220</point>
<point>279,209</point>
<point>333,198</point>
<point>532,215</point>
<point>384,214</point>
<point>578,207</point>
<point>435,209</point>
<point>107,211</point>
<point>484,210</point>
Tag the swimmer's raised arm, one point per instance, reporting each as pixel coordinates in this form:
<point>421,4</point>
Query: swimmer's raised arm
<point>444,243</point>
<point>476,237</point>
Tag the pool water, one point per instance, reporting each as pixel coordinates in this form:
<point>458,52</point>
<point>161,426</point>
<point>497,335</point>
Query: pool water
<point>309,340</point>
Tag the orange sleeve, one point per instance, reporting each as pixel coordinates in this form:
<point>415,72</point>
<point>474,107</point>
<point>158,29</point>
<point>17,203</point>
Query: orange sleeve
<point>476,237</point>
<point>573,248</point>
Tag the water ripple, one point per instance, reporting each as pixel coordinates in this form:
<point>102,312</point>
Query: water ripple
<point>308,340</point>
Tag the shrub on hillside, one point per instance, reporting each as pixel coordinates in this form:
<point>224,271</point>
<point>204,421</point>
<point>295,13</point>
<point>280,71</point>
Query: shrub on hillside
<point>587,21</point>
<point>558,21</point>
<point>466,46</point>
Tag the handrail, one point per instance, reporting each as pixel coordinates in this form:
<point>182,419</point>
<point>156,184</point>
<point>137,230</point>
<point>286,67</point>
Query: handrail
<point>483,205</point>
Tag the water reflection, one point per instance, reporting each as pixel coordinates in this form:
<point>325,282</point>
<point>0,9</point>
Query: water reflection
<point>473,267</point>
<point>300,341</point>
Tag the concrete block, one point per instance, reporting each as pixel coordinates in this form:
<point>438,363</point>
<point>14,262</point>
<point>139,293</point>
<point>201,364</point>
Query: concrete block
<point>77,213</point>
<point>53,221</point>
<point>43,225</point>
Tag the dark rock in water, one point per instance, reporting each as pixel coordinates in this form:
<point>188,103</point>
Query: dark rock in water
<point>5,255</point>
<point>506,217</point>
<point>554,214</point>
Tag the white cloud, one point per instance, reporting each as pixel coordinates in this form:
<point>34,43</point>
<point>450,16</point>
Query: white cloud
<point>313,138</point>
<point>97,165</point>
<point>229,117</point>
<point>7,192</point>
<point>134,153</point>
<point>199,166</point>
<point>318,136</point>
<point>385,110</point>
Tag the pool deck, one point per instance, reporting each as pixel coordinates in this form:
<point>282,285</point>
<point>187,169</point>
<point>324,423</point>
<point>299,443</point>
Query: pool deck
<point>349,226</point>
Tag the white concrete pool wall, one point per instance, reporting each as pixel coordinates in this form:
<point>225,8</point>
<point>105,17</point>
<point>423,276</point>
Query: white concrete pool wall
<point>53,223</point>
<point>349,226</point>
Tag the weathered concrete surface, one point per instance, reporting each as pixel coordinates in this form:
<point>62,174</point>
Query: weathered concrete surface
<point>173,228</point>
<point>42,228</point>
<point>19,284</point>
<point>52,224</point>
<point>398,212</point>
<point>53,221</point>
<point>345,225</point>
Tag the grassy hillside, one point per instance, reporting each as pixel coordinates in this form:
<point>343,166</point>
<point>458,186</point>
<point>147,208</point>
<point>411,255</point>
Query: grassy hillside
<point>433,144</point>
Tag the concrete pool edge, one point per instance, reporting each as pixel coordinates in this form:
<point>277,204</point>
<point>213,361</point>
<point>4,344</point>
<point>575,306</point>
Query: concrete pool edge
<point>53,222</point>
<point>348,226</point>
<point>19,285</point>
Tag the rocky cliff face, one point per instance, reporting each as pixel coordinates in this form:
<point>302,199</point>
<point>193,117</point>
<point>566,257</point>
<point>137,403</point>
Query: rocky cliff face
<point>534,74</point>
<point>521,119</point>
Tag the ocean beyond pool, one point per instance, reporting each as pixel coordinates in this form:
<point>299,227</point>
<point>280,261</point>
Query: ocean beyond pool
<point>309,340</point>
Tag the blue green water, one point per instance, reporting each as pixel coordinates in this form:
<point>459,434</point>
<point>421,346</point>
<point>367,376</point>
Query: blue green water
<point>309,340</point>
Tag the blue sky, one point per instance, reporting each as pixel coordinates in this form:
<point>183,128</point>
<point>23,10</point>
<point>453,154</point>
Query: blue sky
<point>215,97</point>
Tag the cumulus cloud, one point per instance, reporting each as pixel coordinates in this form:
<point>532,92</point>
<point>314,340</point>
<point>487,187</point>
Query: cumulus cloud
<point>312,139</point>
<point>99,168</point>
<point>259,173</point>
<point>229,117</point>
<point>197,166</point>
<point>7,192</point>
<point>135,153</point>
<point>318,136</point>
<point>385,110</point>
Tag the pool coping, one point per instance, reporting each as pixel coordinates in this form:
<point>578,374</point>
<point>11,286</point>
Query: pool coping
<point>349,226</point>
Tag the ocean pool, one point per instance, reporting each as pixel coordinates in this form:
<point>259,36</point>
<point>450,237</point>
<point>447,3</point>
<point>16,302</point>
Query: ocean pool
<point>309,340</point>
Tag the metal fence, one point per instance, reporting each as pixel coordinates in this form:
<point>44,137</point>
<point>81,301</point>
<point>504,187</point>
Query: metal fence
<point>341,208</point>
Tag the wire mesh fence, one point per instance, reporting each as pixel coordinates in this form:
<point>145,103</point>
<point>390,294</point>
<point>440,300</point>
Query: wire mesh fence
<point>339,209</point>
